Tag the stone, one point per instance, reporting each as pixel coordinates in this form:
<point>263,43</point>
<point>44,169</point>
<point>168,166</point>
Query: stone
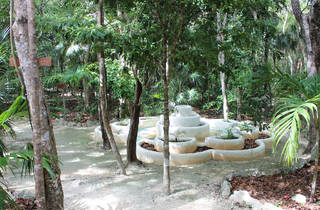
<point>225,189</point>
<point>299,164</point>
<point>244,197</point>
<point>229,177</point>
<point>299,198</point>
<point>60,122</point>
<point>24,194</point>
<point>64,122</point>
<point>114,120</point>
<point>90,123</point>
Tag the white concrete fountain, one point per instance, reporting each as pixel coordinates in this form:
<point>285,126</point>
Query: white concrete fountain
<point>185,122</point>
<point>121,129</point>
<point>187,132</point>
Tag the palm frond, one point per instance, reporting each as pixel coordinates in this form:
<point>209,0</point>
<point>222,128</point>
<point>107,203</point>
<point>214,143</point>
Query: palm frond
<point>15,110</point>
<point>4,33</point>
<point>5,199</point>
<point>288,120</point>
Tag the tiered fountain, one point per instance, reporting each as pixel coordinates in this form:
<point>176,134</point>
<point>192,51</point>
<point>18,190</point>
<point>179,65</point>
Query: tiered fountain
<point>121,129</point>
<point>185,122</point>
<point>187,132</point>
<point>188,135</point>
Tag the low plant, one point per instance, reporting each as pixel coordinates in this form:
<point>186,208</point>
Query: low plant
<point>229,135</point>
<point>176,139</point>
<point>23,158</point>
<point>123,123</point>
<point>246,127</point>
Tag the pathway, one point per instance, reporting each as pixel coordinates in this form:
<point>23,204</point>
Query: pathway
<point>91,180</point>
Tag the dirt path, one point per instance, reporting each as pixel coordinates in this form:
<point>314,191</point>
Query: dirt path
<point>91,181</point>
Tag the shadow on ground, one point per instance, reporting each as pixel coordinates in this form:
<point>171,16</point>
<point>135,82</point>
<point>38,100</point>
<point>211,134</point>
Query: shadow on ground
<point>91,179</point>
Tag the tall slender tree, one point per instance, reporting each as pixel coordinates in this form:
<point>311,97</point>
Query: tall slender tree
<point>172,19</point>
<point>221,23</point>
<point>102,92</point>
<point>49,188</point>
<point>309,24</point>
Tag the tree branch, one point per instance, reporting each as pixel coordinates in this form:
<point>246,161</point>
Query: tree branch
<point>295,4</point>
<point>182,26</point>
<point>12,46</point>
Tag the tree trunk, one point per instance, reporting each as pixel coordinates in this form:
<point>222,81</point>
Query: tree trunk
<point>134,124</point>
<point>85,91</point>
<point>122,112</point>
<point>312,135</point>
<point>122,101</point>
<point>32,75</point>
<point>12,48</point>
<point>61,63</point>
<point>315,32</point>
<point>304,23</point>
<point>20,77</point>
<point>266,48</point>
<point>315,172</point>
<point>291,64</point>
<point>26,48</point>
<point>166,66</point>
<point>220,25</point>
<point>86,94</point>
<point>239,104</point>
<point>285,23</point>
<point>310,30</point>
<point>166,124</point>
<point>105,140</point>
<point>224,96</point>
<point>102,94</point>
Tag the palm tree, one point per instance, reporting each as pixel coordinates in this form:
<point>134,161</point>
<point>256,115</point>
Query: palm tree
<point>16,109</point>
<point>288,120</point>
<point>23,158</point>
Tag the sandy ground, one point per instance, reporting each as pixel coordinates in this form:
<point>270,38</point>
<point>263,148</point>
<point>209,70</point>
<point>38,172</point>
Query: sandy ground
<point>91,179</point>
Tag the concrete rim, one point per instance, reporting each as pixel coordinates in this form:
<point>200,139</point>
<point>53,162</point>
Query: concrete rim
<point>224,144</point>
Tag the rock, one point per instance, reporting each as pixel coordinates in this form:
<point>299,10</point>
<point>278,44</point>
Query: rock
<point>229,177</point>
<point>114,120</point>
<point>313,153</point>
<point>81,183</point>
<point>60,122</point>
<point>63,122</point>
<point>90,123</point>
<point>225,189</point>
<point>24,194</point>
<point>299,198</point>
<point>299,165</point>
<point>244,197</point>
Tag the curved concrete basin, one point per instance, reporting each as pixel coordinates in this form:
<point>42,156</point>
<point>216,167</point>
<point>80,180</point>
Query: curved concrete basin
<point>224,144</point>
<point>189,145</point>
<point>149,156</point>
<point>200,132</point>
<point>240,155</point>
